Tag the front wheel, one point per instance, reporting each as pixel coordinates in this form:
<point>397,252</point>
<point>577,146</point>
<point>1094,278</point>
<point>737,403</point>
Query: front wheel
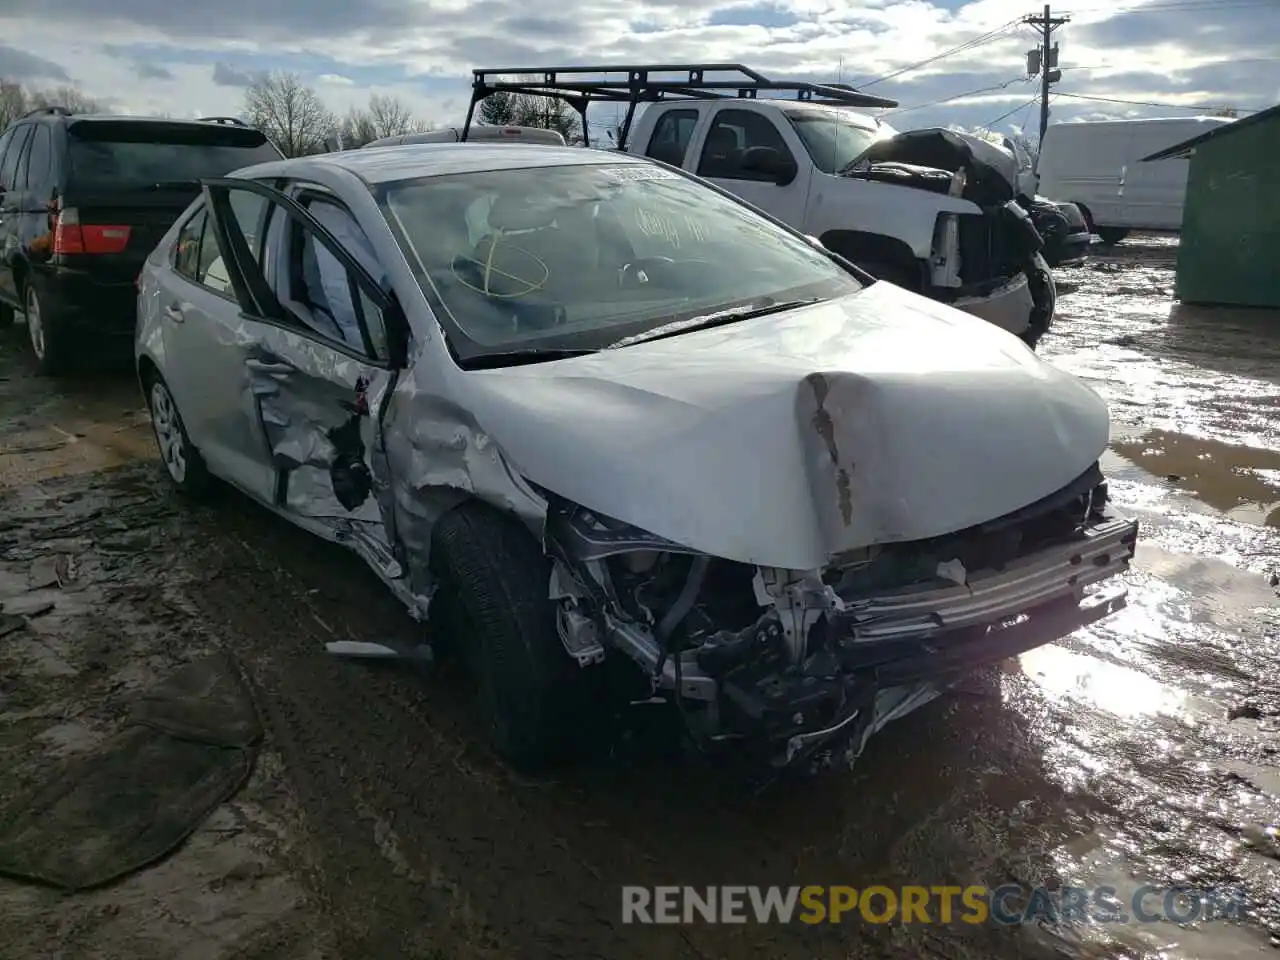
<point>1112,235</point>
<point>491,603</point>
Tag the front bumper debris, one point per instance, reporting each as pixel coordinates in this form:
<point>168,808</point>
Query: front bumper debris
<point>871,660</point>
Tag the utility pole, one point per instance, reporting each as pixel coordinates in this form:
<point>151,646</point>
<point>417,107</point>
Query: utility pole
<point>1044,61</point>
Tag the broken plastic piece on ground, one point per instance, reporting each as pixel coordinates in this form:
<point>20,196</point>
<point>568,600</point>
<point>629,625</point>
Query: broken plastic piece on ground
<point>376,651</point>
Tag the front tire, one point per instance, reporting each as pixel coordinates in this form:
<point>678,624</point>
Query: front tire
<point>1112,235</point>
<point>182,463</point>
<point>45,333</point>
<point>492,604</point>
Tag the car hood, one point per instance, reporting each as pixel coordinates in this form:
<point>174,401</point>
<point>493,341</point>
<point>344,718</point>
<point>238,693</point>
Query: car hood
<point>785,440</point>
<point>992,171</point>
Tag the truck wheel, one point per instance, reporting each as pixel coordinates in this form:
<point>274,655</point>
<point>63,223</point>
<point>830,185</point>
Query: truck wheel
<point>491,604</point>
<point>1112,235</point>
<point>44,330</point>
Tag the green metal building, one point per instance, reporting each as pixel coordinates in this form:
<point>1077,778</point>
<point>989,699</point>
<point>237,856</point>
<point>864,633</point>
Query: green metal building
<point>1231,220</point>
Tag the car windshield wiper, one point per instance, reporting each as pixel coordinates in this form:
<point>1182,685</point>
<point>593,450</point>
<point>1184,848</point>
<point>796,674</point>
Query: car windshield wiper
<point>717,319</point>
<point>514,358</point>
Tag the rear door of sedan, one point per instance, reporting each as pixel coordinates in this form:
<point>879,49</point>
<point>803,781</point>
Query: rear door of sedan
<point>321,341</point>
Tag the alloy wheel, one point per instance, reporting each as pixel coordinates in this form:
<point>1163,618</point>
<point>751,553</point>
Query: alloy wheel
<point>35,326</point>
<point>168,430</point>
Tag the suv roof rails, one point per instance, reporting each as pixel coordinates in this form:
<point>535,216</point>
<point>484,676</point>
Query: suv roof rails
<point>579,87</point>
<point>228,121</point>
<point>57,111</point>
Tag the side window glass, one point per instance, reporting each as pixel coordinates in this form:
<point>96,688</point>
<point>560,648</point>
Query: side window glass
<point>211,269</point>
<point>732,133</point>
<point>4,143</point>
<point>671,136</point>
<point>9,166</point>
<point>251,212</point>
<point>331,292</point>
<point>40,161</point>
<point>186,252</point>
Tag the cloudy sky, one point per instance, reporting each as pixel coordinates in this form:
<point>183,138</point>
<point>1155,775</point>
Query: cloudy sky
<point>191,58</point>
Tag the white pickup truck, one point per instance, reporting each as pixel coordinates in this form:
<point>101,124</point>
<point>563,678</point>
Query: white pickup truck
<point>933,211</point>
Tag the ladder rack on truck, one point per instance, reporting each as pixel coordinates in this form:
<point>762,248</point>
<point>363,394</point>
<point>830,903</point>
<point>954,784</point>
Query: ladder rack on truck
<point>580,87</point>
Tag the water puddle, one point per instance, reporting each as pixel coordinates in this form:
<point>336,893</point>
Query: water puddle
<point>1240,481</point>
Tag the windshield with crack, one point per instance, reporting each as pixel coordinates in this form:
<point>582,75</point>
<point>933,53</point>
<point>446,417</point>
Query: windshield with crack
<point>582,257</point>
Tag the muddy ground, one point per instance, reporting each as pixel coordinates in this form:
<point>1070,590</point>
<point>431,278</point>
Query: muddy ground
<point>377,825</point>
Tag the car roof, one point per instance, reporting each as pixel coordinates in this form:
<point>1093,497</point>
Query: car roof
<point>409,161</point>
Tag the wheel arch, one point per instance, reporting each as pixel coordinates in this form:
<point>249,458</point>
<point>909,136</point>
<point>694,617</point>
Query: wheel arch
<point>861,245</point>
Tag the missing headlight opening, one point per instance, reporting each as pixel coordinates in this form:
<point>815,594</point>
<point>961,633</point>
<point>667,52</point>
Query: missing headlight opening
<point>798,668</point>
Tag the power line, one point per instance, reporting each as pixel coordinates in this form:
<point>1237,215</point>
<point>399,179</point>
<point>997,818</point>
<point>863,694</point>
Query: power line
<point>971,44</point>
<point>1005,116</point>
<point>958,96</point>
<point>1148,103</point>
<point>1027,116</point>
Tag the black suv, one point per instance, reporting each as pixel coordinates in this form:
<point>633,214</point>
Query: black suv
<point>83,200</point>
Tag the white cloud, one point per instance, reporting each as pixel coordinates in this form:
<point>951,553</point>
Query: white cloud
<point>1190,53</point>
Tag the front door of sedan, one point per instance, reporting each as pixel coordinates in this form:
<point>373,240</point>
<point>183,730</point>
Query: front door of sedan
<point>325,341</point>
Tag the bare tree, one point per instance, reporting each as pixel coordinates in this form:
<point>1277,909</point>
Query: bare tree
<point>73,98</point>
<point>289,112</point>
<point>550,114</point>
<point>521,109</point>
<point>391,117</point>
<point>13,102</point>
<point>17,99</point>
<point>386,116</point>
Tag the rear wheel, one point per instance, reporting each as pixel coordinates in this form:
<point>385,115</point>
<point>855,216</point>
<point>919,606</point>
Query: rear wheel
<point>46,334</point>
<point>182,463</point>
<point>491,604</point>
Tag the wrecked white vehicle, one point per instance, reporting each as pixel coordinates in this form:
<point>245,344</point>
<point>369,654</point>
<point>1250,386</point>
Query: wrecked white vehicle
<point>581,411</point>
<point>932,211</point>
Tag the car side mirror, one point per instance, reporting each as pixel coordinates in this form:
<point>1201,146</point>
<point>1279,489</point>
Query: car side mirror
<point>771,162</point>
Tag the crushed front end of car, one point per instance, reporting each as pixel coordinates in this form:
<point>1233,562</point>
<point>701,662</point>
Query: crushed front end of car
<point>989,252</point>
<point>796,669</point>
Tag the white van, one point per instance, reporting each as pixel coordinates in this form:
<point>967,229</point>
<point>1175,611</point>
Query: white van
<point>1097,166</point>
<point>477,134</point>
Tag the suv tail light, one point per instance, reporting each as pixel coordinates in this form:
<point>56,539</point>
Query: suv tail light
<point>70,236</point>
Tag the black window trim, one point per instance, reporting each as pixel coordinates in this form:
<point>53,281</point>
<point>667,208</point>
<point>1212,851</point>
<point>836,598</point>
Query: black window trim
<point>381,298</point>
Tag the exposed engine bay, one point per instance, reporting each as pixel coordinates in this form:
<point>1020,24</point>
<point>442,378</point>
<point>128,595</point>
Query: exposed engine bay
<point>799,668</point>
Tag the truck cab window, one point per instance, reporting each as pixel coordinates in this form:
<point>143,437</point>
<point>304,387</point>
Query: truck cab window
<point>671,136</point>
<point>732,133</point>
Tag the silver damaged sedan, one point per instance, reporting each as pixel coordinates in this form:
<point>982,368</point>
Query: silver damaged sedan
<point>613,435</point>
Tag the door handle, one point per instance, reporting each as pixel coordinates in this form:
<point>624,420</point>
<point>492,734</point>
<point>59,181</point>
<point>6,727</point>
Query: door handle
<point>272,367</point>
<point>174,313</point>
